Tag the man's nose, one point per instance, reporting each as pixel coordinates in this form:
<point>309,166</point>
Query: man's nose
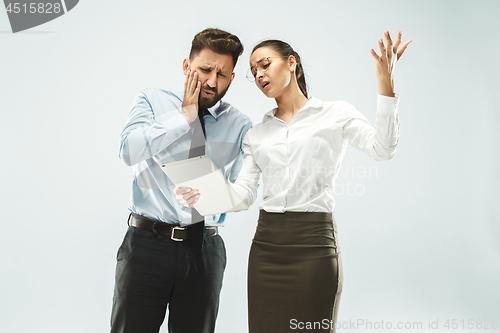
<point>212,80</point>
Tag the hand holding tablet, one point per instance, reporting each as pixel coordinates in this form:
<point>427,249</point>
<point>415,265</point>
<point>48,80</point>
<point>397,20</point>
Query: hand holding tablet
<point>201,174</point>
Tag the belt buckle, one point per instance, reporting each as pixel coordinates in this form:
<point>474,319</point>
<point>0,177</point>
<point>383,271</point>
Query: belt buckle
<point>172,234</point>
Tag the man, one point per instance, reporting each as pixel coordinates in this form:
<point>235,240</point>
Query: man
<point>168,257</point>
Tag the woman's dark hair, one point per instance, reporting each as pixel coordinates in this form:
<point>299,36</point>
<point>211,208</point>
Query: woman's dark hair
<point>286,50</point>
<point>217,40</point>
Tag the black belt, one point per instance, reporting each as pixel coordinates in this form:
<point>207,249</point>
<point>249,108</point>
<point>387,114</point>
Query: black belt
<point>175,232</point>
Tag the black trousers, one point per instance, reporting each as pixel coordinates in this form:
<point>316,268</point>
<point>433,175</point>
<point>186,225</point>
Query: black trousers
<point>153,272</point>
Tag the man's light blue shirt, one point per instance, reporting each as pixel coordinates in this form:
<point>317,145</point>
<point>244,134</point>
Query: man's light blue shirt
<point>156,133</point>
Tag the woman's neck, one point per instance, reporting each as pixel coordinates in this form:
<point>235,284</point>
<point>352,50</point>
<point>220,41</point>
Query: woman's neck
<point>290,103</point>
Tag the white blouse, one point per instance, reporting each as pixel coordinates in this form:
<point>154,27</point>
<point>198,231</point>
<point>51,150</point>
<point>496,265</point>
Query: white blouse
<point>299,161</point>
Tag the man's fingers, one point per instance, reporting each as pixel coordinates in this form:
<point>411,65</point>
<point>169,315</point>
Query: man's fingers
<point>181,190</point>
<point>192,81</point>
<point>189,202</point>
<point>398,41</point>
<point>186,196</point>
<point>189,81</point>
<point>403,48</point>
<point>197,89</point>
<point>186,81</point>
<point>187,85</point>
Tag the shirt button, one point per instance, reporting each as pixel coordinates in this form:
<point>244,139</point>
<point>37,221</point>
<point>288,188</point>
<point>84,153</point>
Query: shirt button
<point>176,135</point>
<point>183,131</point>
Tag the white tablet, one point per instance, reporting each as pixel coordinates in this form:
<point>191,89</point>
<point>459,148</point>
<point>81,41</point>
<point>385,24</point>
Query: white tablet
<point>200,173</point>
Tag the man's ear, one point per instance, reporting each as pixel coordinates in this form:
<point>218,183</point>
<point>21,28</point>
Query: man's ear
<point>185,65</point>
<point>232,78</point>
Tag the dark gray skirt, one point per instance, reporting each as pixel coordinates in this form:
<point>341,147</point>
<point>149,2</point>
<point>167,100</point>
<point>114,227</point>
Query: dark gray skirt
<point>294,273</point>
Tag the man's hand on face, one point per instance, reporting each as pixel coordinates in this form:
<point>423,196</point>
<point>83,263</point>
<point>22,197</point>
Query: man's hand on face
<point>191,95</point>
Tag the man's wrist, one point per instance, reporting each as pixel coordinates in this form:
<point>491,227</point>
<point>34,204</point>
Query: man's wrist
<point>190,113</point>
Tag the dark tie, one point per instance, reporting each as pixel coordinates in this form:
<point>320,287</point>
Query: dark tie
<point>197,228</point>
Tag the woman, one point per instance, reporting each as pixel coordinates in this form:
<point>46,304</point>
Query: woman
<point>295,269</point>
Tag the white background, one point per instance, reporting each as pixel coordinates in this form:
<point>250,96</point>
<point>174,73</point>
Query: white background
<point>419,235</point>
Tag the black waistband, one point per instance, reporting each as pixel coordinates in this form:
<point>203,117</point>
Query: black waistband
<point>296,216</point>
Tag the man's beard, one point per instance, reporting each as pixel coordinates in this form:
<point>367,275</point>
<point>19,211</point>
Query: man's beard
<point>205,103</point>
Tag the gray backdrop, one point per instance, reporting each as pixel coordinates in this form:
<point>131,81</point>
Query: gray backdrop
<point>419,235</point>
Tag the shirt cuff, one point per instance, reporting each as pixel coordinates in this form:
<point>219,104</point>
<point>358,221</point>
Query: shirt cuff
<point>387,105</point>
<point>176,126</point>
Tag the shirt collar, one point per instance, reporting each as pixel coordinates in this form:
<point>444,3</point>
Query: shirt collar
<point>214,110</point>
<point>313,102</point>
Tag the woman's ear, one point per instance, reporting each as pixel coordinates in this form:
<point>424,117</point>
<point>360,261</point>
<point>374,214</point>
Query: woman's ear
<point>185,66</point>
<point>292,63</point>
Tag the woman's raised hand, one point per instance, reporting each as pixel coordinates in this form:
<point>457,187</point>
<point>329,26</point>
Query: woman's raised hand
<point>386,62</point>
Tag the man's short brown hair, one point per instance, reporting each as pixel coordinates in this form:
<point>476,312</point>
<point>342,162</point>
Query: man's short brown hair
<point>217,40</point>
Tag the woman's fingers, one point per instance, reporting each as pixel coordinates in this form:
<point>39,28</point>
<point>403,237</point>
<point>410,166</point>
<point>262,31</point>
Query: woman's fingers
<point>403,48</point>
<point>388,41</point>
<point>382,48</point>
<point>397,42</point>
<point>374,55</point>
<point>390,49</point>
